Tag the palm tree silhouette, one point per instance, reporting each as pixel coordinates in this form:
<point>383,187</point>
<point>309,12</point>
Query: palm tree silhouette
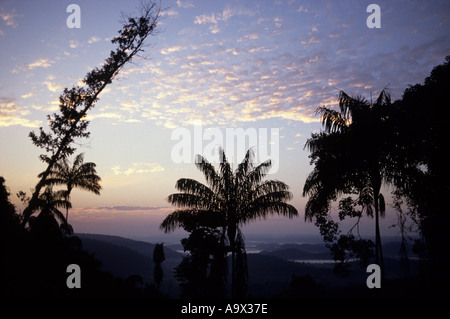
<point>79,174</point>
<point>50,217</point>
<point>350,156</point>
<point>230,200</point>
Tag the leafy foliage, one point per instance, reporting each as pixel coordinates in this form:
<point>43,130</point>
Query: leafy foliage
<point>421,124</point>
<point>350,156</point>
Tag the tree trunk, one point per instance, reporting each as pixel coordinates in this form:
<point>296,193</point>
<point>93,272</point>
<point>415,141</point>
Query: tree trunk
<point>376,186</point>
<point>233,274</point>
<point>232,240</point>
<point>69,190</point>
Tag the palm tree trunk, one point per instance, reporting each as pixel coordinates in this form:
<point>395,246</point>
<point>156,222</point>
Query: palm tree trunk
<point>376,184</point>
<point>69,190</point>
<point>233,273</point>
<point>232,241</point>
<point>378,246</point>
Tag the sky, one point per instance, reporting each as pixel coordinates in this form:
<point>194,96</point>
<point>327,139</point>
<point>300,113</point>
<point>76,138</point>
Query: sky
<point>214,69</point>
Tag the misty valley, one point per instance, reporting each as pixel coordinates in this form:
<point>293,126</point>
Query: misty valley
<point>276,270</point>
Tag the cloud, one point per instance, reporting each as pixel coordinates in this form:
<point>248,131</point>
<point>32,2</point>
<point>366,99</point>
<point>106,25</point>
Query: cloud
<point>302,9</point>
<point>227,13</point>
<point>250,36</point>
<point>19,121</point>
<point>170,50</point>
<point>185,4</point>
<point>131,208</point>
<point>119,219</point>
<point>278,22</point>
<point>93,39</point>
<point>291,114</point>
<point>28,95</point>
<point>237,10</point>
<point>10,18</point>
<point>214,29</point>
<point>11,114</point>
<point>138,168</point>
<point>130,106</point>
<point>53,87</point>
<point>170,13</point>
<point>206,18</point>
<point>104,115</point>
<point>73,44</point>
<point>39,63</point>
<point>249,75</point>
<point>312,40</point>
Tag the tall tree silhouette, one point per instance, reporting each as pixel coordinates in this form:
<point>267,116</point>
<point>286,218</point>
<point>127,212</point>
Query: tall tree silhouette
<point>70,124</point>
<point>421,124</point>
<point>351,156</point>
<point>78,175</point>
<point>230,200</point>
<point>158,258</point>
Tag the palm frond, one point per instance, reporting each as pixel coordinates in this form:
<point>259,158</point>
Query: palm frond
<point>54,181</point>
<point>312,183</point>
<point>385,97</point>
<point>247,163</point>
<point>79,159</point>
<point>259,172</point>
<point>79,175</point>
<point>190,200</point>
<point>66,228</point>
<point>208,170</point>
<point>348,105</point>
<point>176,219</point>
<point>58,215</point>
<point>270,186</point>
<point>190,219</point>
<point>268,209</point>
<point>332,121</point>
<point>317,205</point>
<point>317,141</point>
<point>191,186</point>
<point>225,170</point>
<point>345,102</point>
<point>269,204</point>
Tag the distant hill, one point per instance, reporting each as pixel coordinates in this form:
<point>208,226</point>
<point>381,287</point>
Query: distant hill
<point>141,247</point>
<point>119,260</point>
<point>392,249</point>
<point>320,252</point>
<point>299,252</point>
<point>124,257</point>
